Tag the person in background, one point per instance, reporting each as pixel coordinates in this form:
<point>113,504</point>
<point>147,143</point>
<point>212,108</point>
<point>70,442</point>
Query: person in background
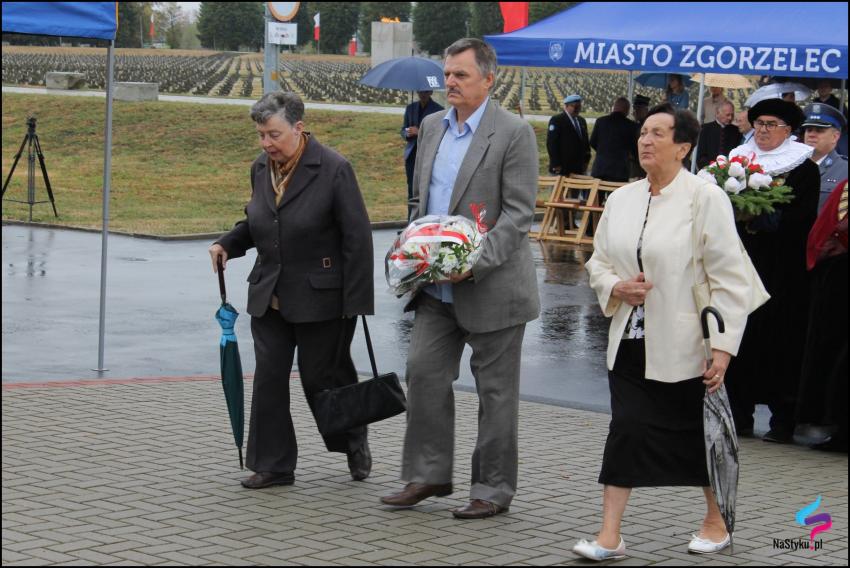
<point>744,126</point>
<point>311,279</point>
<point>712,102</point>
<point>413,115</point>
<point>821,130</point>
<point>643,274</point>
<point>612,139</point>
<point>567,140</point>
<point>677,94</point>
<point>640,110</point>
<point>826,96</point>
<point>823,385</point>
<point>718,137</point>
<point>767,369</point>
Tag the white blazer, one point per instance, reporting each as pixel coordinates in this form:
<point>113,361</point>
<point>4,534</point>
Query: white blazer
<point>674,345</point>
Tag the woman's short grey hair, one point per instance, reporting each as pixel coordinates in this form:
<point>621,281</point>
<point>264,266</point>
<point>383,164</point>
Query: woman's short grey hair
<point>288,106</point>
<point>485,57</point>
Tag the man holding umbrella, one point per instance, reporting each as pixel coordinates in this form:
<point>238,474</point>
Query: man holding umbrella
<point>413,115</point>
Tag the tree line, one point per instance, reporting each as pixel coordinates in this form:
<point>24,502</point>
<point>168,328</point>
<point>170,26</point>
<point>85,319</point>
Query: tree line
<point>236,26</point>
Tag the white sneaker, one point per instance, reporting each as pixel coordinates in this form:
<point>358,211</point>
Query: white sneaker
<point>593,551</point>
<point>700,545</point>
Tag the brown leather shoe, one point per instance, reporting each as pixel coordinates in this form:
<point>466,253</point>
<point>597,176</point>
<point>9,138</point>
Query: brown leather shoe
<point>413,493</point>
<point>478,509</point>
<point>263,479</point>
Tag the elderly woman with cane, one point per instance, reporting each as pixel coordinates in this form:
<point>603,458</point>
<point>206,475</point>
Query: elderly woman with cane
<point>657,238</point>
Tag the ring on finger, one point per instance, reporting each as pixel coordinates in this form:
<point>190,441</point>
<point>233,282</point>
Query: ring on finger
<point>717,377</point>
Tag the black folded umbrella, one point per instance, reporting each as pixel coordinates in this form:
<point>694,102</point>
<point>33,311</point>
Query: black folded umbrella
<point>721,440</point>
<point>231,366</point>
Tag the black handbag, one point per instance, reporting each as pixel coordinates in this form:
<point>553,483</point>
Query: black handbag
<point>341,409</point>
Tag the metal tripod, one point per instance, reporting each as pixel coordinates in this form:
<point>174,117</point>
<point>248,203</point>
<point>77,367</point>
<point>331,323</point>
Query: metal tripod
<point>33,148</point>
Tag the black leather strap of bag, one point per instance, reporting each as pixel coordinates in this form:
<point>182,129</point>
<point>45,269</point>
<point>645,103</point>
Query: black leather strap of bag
<point>341,347</point>
<point>369,347</point>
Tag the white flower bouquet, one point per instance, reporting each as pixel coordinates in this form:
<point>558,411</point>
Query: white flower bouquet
<point>432,249</point>
<point>751,191</point>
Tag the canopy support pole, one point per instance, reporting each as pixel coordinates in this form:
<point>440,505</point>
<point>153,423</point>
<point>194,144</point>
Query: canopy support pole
<point>699,117</point>
<point>521,91</point>
<point>107,181</point>
<point>271,82</point>
<point>631,86</point>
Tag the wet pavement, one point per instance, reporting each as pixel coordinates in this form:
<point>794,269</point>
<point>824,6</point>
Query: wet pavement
<point>161,297</point>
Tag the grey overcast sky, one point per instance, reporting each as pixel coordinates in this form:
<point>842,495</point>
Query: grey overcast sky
<point>191,8</point>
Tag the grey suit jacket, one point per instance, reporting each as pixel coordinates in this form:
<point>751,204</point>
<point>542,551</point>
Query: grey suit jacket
<point>500,171</point>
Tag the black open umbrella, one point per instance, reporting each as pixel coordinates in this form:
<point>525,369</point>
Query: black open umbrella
<point>231,366</point>
<point>721,440</point>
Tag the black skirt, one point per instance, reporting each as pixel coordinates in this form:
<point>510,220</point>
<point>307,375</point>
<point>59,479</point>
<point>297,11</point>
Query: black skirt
<point>656,435</point>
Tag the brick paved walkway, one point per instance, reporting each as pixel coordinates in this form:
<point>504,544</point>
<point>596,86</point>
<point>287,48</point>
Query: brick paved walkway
<point>144,473</point>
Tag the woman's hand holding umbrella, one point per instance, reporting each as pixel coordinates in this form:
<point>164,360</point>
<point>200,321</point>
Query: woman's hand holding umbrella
<point>714,376</point>
<point>218,254</point>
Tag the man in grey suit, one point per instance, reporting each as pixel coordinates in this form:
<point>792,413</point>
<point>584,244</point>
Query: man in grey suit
<point>476,154</point>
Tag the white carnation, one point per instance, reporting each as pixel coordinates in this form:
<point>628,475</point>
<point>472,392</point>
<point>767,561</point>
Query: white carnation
<point>733,185</point>
<point>737,170</point>
<point>758,181</point>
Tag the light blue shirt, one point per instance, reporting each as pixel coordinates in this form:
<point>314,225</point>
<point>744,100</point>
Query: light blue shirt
<point>450,155</point>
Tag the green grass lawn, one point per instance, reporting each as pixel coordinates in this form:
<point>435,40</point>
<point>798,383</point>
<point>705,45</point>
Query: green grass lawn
<point>180,168</point>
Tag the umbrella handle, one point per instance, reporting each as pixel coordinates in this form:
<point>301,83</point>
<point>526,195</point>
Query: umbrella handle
<point>721,327</point>
<point>221,282</point>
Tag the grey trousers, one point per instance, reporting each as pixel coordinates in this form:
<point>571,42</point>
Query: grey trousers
<point>433,364</point>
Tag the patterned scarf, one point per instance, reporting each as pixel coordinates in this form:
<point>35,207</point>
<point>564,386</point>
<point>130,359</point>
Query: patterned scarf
<point>281,172</point>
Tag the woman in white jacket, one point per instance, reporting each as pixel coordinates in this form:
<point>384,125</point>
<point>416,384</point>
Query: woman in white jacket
<point>642,271</point>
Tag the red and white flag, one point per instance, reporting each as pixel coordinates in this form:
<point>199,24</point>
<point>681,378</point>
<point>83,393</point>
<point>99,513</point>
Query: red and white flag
<point>515,15</point>
<point>152,30</point>
<point>316,26</point>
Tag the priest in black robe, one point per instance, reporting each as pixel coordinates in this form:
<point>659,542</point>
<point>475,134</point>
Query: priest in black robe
<point>768,367</point>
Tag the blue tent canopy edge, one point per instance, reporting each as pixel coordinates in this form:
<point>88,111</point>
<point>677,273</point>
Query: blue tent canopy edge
<point>97,20</point>
<point>793,39</point>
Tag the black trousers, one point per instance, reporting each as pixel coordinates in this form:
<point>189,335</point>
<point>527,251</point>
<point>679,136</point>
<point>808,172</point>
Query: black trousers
<point>324,361</point>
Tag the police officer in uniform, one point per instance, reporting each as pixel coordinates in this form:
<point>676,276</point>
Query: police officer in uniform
<point>822,129</point>
<point>567,140</point>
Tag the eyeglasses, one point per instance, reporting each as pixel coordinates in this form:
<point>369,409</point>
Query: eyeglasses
<point>769,126</point>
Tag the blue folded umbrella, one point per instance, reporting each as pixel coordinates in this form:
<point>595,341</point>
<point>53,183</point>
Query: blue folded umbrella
<point>231,367</point>
<point>406,74</point>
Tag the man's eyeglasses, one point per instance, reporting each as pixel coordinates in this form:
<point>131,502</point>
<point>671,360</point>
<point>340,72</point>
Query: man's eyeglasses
<point>769,126</point>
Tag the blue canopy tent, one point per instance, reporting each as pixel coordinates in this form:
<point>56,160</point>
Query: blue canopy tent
<point>781,38</point>
<point>97,20</point>
<point>796,39</point>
